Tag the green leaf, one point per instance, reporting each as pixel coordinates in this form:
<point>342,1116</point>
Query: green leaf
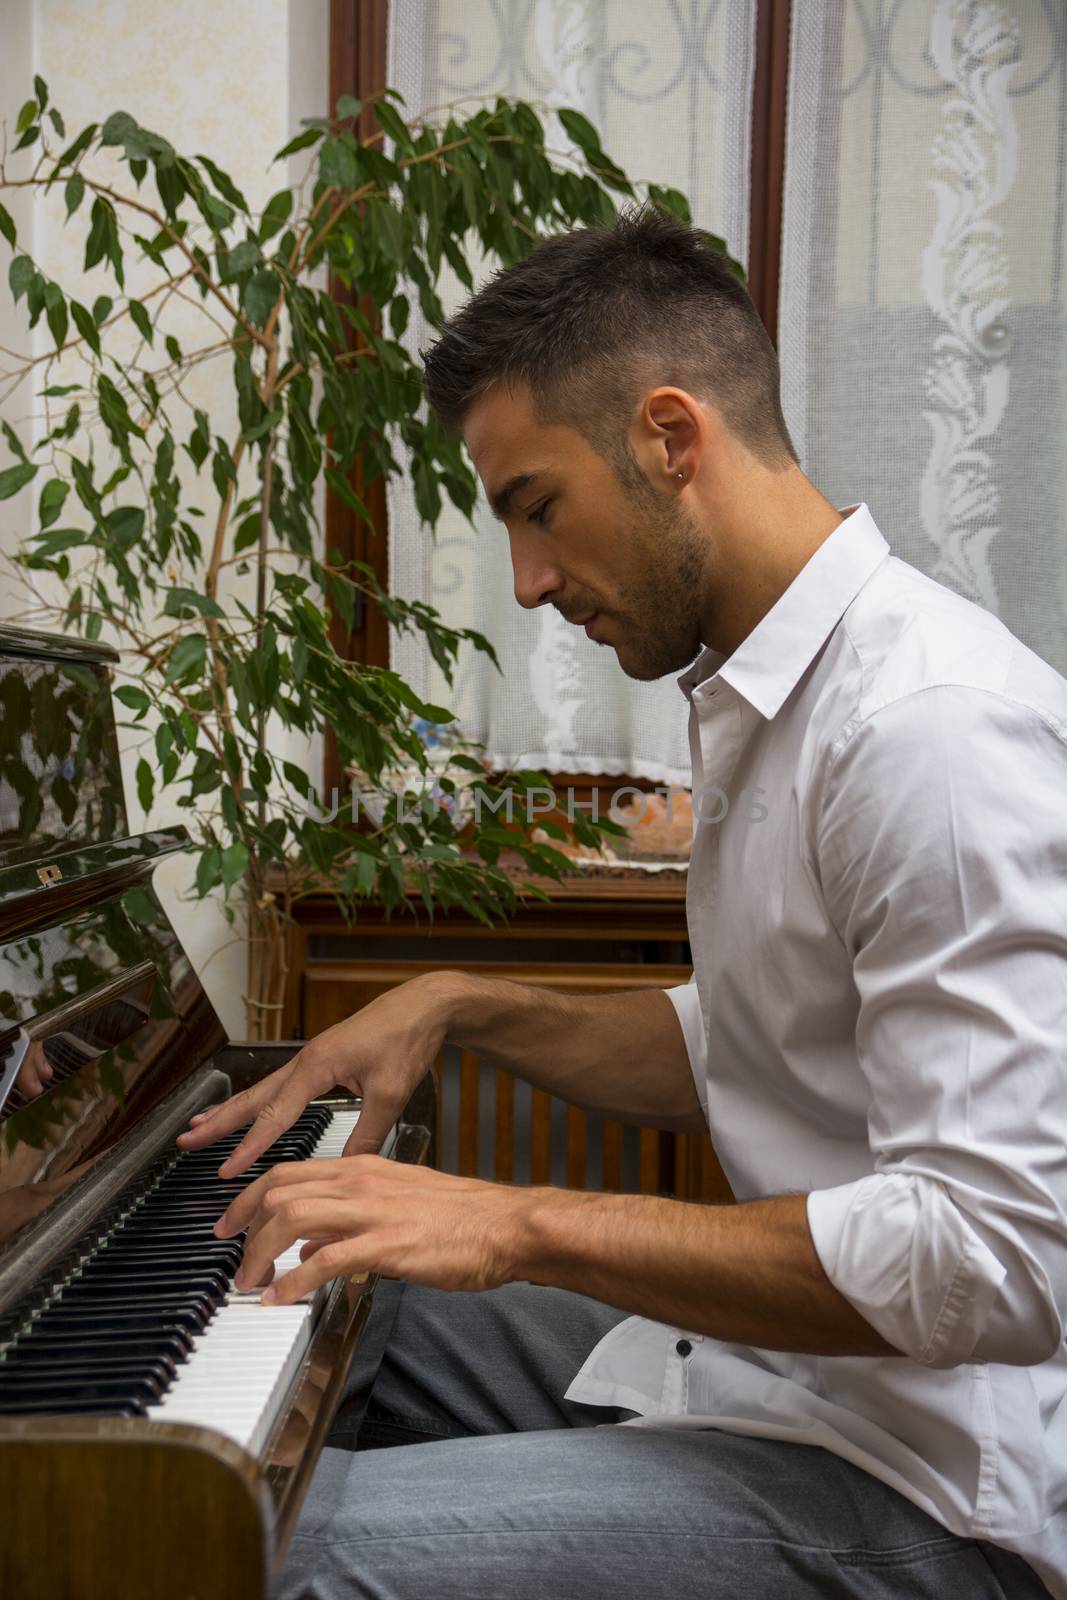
<point>93,624</point>
<point>7,227</point>
<point>125,525</point>
<point>57,122</point>
<point>234,863</point>
<point>394,125</point>
<point>40,89</point>
<point>581,132</point>
<point>85,326</point>
<point>73,193</point>
<point>259,295</point>
<point>146,786</point>
<point>174,349</point>
<point>345,492</point>
<point>135,698</point>
<point>59,539</point>
<point>399,310</point>
<point>208,870</point>
<point>224,184</point>
<point>56,313</point>
<point>101,307</point>
<point>348,107</point>
<point>141,321</point>
<point>20,276</point>
<point>139,144</point>
<point>13,440</point>
<point>50,505</point>
<point>12,479</point>
<point>302,142</point>
<point>275,214</point>
<point>247,533</point>
<point>82,142</point>
<point>271,420</point>
<point>186,659</point>
<point>180,600</point>
<point>233,262</point>
<point>27,116</point>
<point>96,244</point>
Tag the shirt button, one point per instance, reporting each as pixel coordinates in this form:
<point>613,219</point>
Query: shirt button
<point>683,1347</point>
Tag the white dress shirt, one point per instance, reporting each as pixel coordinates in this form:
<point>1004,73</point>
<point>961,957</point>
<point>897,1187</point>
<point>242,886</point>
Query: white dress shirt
<point>877,907</point>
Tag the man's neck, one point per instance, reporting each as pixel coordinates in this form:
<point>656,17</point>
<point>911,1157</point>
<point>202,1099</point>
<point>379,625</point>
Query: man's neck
<point>758,548</point>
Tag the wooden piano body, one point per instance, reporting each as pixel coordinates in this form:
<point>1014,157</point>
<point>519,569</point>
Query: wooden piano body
<point>108,1044</point>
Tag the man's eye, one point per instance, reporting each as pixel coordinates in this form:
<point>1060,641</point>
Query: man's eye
<point>539,514</point>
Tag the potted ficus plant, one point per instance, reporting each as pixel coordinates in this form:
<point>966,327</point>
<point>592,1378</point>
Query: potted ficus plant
<point>196,547</point>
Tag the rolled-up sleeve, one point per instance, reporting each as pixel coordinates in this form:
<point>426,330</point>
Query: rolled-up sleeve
<point>685,999</point>
<point>941,844</point>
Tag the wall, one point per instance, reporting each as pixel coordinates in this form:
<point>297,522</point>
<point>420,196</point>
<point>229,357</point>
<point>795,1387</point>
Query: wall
<point>231,81</point>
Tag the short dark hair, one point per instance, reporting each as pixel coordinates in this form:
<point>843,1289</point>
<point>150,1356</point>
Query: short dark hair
<point>591,319</point>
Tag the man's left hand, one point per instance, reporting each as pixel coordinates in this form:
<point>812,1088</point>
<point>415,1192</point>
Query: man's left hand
<point>368,1214</point>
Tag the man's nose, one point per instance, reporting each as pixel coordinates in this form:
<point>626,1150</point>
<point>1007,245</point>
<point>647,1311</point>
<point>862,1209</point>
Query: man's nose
<point>537,581</point>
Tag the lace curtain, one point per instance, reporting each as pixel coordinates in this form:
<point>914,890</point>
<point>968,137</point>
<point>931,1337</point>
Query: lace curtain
<point>668,83</point>
<point>921,315</point>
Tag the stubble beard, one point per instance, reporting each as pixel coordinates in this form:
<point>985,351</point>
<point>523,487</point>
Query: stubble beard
<point>659,608</point>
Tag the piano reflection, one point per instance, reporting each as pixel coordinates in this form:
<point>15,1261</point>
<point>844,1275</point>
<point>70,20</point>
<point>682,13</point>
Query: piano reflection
<point>157,1428</point>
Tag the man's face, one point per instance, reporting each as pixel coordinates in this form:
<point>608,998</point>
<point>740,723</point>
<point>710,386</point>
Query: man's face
<point>609,552</point>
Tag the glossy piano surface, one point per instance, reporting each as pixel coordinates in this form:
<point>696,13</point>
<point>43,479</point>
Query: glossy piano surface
<point>101,1014</point>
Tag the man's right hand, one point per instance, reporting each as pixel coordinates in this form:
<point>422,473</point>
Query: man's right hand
<point>381,1053</point>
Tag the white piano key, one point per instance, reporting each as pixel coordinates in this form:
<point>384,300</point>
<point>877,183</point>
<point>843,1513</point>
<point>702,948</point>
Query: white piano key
<point>244,1363</point>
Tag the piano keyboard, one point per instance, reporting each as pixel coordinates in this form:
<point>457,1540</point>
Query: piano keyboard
<point>245,1361</point>
<point>148,1322</point>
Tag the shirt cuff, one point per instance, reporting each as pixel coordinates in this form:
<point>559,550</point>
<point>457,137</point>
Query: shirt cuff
<point>904,1256</point>
<point>685,999</point>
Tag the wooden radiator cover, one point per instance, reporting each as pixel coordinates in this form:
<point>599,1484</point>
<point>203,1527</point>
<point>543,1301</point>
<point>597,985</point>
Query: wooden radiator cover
<point>592,936</point>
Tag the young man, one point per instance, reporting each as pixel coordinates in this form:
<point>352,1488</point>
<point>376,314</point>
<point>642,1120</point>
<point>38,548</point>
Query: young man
<point>853,1382</point>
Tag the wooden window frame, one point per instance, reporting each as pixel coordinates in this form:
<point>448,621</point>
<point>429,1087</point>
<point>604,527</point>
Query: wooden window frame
<point>358,60</point>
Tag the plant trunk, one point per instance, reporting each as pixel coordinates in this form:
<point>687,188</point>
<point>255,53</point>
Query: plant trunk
<point>268,966</point>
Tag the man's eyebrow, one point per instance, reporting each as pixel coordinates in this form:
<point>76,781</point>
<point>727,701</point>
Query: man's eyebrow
<point>500,500</point>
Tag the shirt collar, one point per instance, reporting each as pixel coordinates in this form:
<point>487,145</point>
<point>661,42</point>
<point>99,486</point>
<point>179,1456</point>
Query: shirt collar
<point>767,666</point>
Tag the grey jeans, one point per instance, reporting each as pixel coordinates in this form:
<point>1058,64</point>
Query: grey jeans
<point>506,1489</point>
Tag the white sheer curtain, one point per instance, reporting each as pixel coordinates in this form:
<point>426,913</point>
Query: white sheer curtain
<point>668,83</point>
<point>921,319</point>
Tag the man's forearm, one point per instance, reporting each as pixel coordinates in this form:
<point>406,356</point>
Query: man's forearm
<point>747,1274</point>
<point>622,1055</point>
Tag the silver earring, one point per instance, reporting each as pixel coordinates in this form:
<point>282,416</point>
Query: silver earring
<point>681,474</point>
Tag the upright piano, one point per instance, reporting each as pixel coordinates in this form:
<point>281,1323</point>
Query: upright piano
<point>158,1430</point>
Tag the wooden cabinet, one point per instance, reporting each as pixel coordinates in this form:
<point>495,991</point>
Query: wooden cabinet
<point>594,934</point>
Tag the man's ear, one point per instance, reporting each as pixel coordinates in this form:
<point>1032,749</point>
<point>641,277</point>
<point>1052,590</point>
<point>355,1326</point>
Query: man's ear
<point>669,436</point>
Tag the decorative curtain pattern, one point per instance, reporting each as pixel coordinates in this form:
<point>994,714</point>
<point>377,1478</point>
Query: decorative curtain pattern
<point>668,83</point>
<point>921,317</point>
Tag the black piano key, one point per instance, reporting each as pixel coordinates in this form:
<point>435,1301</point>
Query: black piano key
<point>106,1407</point>
<point>212,1251</point>
<point>165,1312</point>
<point>124,1390</point>
<point>92,1296</point>
<point>224,1261</point>
<point>117,1323</point>
<point>39,1364</point>
<point>79,1384</point>
<point>41,1344</point>
<point>158,1275</point>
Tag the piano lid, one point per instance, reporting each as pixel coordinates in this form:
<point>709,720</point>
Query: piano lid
<point>101,1013</point>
